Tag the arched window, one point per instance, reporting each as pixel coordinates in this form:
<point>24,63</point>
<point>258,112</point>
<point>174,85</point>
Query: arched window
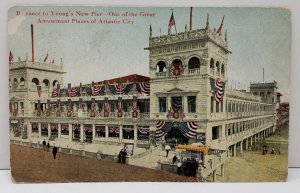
<point>161,66</point>
<point>22,81</point>
<point>55,82</point>
<point>176,68</point>
<point>212,64</point>
<point>46,82</point>
<point>35,81</point>
<point>176,62</point>
<point>194,62</point>
<point>15,83</point>
<point>218,66</point>
<point>222,69</point>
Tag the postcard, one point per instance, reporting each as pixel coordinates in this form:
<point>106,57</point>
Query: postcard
<point>148,94</point>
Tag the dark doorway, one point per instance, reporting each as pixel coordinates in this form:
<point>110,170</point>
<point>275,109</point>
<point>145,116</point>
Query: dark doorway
<point>175,137</point>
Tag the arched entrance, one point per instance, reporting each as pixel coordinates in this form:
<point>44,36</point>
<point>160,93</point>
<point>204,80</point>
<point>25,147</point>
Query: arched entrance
<point>175,137</point>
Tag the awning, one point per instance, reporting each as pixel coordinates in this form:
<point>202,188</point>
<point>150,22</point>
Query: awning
<point>203,149</point>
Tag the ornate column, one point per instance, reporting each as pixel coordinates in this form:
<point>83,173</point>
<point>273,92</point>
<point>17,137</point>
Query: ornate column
<point>106,132</point>
<point>241,146</point>
<point>222,170</point>
<point>214,174</point>
<point>135,133</point>
<point>94,132</point>
<point>234,150</point>
<point>120,133</point>
<point>39,129</point>
<point>59,130</point>
<point>185,104</point>
<point>169,103</point>
<point>70,132</point>
<point>81,132</point>
<point>49,130</point>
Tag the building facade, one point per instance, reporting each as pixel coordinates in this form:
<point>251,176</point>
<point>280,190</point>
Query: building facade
<point>185,100</point>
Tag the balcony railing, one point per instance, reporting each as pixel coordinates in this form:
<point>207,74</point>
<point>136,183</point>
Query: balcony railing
<point>194,71</point>
<point>88,115</point>
<point>161,74</point>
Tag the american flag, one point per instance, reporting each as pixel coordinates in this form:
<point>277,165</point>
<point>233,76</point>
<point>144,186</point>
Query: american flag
<point>10,58</point>
<point>220,93</point>
<point>171,22</point>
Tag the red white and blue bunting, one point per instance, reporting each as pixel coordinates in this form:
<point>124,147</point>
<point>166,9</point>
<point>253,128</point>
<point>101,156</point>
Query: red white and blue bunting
<point>100,89</point>
<point>218,87</point>
<point>73,92</point>
<point>144,88</point>
<point>99,128</point>
<point>55,92</point>
<point>187,129</point>
<point>143,130</point>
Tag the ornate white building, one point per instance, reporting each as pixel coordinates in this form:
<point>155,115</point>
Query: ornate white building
<point>184,100</point>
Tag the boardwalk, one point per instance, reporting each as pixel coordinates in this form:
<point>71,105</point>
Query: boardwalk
<point>251,166</point>
<point>35,165</point>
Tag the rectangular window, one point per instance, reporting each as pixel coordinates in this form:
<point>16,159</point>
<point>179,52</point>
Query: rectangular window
<point>215,132</point>
<point>64,129</point>
<point>211,104</point>
<point>221,106</point>
<point>217,107</point>
<point>141,105</point>
<point>191,104</point>
<point>176,102</point>
<point>162,104</point>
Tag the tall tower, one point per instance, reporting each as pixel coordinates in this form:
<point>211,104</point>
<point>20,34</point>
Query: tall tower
<point>25,76</point>
<point>181,67</point>
<point>266,90</point>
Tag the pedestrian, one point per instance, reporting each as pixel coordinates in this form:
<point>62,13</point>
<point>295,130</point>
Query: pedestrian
<point>48,146</point>
<point>120,156</point>
<point>279,150</point>
<point>174,159</point>
<point>167,148</point>
<point>273,150</point>
<point>123,156</point>
<point>54,151</point>
<point>179,168</point>
<point>44,145</point>
<point>194,167</point>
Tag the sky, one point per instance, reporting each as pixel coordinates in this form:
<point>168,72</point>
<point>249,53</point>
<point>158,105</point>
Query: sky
<point>259,38</point>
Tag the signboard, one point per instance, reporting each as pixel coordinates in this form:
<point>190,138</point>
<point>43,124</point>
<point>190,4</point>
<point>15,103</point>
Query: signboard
<point>129,148</point>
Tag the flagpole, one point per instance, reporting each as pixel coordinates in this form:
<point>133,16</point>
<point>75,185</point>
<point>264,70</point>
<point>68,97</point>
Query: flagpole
<point>174,21</point>
<point>191,18</point>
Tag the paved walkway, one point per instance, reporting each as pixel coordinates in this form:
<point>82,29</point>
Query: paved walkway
<point>150,160</point>
<point>110,149</point>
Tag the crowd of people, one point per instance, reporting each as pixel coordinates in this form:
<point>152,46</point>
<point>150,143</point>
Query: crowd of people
<point>186,166</point>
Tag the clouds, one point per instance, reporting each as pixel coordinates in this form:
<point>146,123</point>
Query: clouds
<point>14,24</point>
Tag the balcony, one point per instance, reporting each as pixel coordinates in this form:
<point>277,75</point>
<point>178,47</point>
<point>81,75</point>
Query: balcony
<point>161,74</point>
<point>194,71</point>
<point>125,115</point>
